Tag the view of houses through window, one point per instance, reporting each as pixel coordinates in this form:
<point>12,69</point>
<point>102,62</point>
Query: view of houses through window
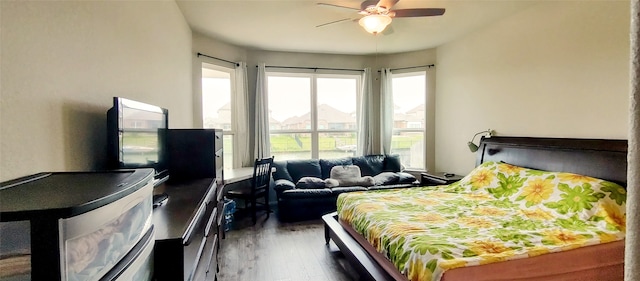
<point>315,115</point>
<point>216,104</point>
<point>312,115</point>
<point>408,140</point>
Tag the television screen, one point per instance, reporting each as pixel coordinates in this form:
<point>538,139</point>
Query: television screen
<point>137,133</point>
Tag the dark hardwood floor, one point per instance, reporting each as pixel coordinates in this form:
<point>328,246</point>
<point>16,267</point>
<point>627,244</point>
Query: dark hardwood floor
<point>272,250</point>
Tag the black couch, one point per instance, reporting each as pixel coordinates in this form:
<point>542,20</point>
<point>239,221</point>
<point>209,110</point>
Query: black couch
<point>298,201</point>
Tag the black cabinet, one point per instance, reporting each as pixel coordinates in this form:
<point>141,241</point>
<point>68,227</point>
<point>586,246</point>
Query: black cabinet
<point>195,153</point>
<point>188,226</point>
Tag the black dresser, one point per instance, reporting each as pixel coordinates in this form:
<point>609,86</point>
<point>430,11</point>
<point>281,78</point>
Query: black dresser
<point>188,223</point>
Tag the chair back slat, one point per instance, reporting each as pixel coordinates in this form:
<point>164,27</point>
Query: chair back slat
<point>259,188</point>
<point>262,174</point>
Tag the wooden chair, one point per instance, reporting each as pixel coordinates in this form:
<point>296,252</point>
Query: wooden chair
<point>259,188</point>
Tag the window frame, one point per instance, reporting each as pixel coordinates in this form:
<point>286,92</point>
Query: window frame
<point>423,130</point>
<point>315,131</point>
<point>232,100</point>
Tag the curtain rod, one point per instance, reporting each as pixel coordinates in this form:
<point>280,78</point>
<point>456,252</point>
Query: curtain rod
<point>314,68</point>
<point>409,67</point>
<point>232,62</point>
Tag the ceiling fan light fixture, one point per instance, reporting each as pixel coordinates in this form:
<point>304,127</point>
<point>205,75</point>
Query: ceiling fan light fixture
<point>375,24</point>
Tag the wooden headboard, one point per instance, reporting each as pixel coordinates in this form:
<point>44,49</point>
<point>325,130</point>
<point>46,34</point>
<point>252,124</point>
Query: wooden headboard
<point>598,158</point>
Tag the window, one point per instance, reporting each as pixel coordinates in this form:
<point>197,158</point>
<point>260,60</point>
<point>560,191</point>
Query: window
<point>408,140</point>
<point>312,115</point>
<point>217,102</point>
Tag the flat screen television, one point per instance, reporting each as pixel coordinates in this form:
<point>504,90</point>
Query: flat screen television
<point>137,137</point>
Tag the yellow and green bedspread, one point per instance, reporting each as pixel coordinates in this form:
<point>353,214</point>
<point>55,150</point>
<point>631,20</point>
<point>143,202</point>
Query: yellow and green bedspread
<point>496,213</point>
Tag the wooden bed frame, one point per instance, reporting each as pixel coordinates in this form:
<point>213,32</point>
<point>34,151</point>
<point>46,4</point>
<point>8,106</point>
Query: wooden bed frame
<point>604,159</point>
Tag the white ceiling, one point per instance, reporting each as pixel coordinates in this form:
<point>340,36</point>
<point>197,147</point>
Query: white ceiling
<point>290,25</point>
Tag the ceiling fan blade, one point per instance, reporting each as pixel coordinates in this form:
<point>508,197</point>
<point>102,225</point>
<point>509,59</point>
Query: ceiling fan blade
<point>420,12</point>
<point>387,3</point>
<point>337,6</point>
<point>335,21</point>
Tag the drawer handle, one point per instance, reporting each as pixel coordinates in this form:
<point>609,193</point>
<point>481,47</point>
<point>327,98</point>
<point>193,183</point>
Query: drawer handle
<point>186,240</point>
<point>212,219</point>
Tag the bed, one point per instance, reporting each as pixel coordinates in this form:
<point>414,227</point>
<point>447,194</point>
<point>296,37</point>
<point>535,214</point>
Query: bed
<point>602,159</point>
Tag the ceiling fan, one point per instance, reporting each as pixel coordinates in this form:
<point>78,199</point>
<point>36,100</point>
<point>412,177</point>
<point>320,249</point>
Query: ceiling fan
<point>379,13</point>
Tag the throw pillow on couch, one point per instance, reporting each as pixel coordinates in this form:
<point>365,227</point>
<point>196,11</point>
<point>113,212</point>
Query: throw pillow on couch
<point>310,183</point>
<point>349,175</point>
<point>361,181</point>
<point>404,177</point>
<point>345,172</point>
<point>386,178</point>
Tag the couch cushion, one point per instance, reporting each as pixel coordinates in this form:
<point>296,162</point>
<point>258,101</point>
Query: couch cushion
<point>306,193</point>
<point>392,163</point>
<point>370,165</point>
<point>327,164</point>
<point>303,168</point>
<point>386,178</point>
<point>281,171</point>
<point>405,177</point>
<point>310,183</point>
<point>344,189</point>
<point>391,186</point>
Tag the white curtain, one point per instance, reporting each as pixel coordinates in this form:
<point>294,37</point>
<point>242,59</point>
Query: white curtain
<point>430,123</point>
<point>241,145</point>
<point>386,109</point>
<point>262,145</point>
<point>366,119</point>
<point>632,241</point>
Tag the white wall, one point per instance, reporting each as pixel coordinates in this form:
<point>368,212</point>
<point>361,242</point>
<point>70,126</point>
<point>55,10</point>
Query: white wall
<point>557,69</point>
<point>61,64</point>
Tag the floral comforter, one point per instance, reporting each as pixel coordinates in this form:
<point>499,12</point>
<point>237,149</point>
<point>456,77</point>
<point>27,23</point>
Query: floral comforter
<point>496,213</point>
